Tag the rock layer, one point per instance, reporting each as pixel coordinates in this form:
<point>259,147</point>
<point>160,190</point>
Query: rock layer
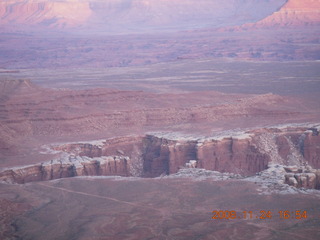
<point>28,110</point>
<point>294,13</point>
<point>153,156</point>
<point>68,166</point>
<point>303,177</point>
<point>232,155</point>
<point>57,14</point>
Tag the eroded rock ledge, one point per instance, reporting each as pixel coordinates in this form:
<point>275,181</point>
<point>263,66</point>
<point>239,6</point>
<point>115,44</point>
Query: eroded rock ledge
<point>153,155</point>
<point>305,177</point>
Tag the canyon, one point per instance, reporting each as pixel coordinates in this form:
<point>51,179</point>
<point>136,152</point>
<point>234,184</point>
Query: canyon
<point>245,154</point>
<point>134,119</point>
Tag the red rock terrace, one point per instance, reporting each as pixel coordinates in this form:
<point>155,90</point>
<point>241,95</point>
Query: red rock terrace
<point>246,153</point>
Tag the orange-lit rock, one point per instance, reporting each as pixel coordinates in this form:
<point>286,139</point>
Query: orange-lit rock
<point>66,13</point>
<point>115,15</point>
<point>293,13</point>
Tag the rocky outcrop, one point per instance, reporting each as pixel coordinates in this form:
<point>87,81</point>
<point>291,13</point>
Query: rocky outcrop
<point>163,156</point>
<point>246,153</point>
<point>294,13</point>
<point>303,177</point>
<point>68,166</point>
<point>310,147</point>
<point>234,155</point>
<point>44,13</point>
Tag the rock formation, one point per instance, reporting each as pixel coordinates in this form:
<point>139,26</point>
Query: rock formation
<point>295,13</point>
<point>234,155</point>
<point>57,14</point>
<point>303,177</point>
<point>153,156</point>
<point>68,166</point>
<point>310,147</point>
<point>30,114</point>
<point>163,156</point>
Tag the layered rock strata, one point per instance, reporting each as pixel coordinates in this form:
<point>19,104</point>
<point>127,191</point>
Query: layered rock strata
<point>44,13</point>
<point>303,177</point>
<point>68,166</point>
<point>155,155</point>
<point>294,13</point>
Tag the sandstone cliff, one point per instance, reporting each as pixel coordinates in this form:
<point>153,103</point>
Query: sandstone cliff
<point>310,147</point>
<point>68,166</point>
<point>152,156</point>
<point>239,156</point>
<point>304,176</point>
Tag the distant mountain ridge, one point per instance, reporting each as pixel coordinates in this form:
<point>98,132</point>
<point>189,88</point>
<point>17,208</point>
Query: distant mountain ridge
<point>119,33</point>
<point>133,15</point>
<point>293,13</point>
<point>52,13</point>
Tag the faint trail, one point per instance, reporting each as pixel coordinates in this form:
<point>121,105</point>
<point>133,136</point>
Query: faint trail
<point>163,213</point>
<point>97,196</point>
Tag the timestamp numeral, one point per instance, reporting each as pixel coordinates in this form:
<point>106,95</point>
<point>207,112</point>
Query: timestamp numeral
<point>296,214</point>
<point>224,215</point>
<point>247,214</point>
<point>265,214</point>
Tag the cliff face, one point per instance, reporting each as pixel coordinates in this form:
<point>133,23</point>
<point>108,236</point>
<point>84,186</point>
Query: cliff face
<point>68,166</point>
<point>44,13</point>
<point>311,148</point>
<point>294,13</point>
<point>232,155</point>
<point>245,155</point>
<point>163,156</point>
<point>304,176</point>
<point>152,156</point>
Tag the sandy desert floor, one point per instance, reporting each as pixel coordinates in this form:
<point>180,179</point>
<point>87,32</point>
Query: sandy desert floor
<point>174,208</point>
